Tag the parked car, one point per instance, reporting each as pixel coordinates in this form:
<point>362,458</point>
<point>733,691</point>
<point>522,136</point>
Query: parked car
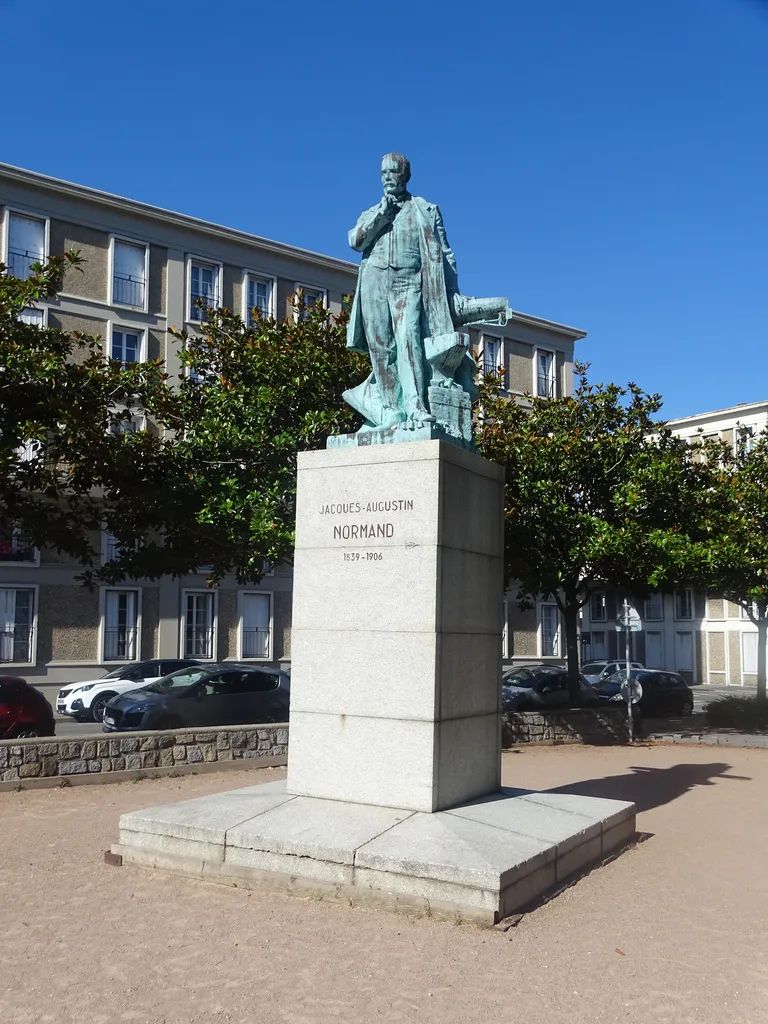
<point>24,711</point>
<point>85,701</point>
<point>224,694</point>
<point>532,688</point>
<point>595,671</point>
<point>664,693</point>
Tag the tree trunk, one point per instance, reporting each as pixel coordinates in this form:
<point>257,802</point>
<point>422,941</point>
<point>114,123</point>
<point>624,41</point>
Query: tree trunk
<point>571,622</point>
<point>762,632</point>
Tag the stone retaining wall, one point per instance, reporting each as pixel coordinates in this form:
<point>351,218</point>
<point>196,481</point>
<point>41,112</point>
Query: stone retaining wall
<point>131,752</point>
<point>602,726</point>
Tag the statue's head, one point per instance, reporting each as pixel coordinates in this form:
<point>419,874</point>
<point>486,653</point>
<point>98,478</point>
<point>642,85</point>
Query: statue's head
<point>395,173</point>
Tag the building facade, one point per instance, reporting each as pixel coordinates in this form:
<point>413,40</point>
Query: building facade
<point>144,268</point>
<point>704,637</point>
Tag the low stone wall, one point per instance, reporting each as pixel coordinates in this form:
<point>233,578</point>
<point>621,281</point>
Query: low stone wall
<point>602,726</point>
<point>25,760</point>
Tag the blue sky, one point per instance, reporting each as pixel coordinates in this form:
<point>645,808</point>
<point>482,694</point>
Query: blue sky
<point>601,162</point>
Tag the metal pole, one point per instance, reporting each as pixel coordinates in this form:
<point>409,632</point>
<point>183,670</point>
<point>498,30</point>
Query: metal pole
<point>630,721</point>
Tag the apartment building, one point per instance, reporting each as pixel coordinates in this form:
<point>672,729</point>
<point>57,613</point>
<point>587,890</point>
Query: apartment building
<point>144,268</point>
<point>704,637</point>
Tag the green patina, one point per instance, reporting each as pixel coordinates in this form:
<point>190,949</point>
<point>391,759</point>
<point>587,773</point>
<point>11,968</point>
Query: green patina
<point>406,316</point>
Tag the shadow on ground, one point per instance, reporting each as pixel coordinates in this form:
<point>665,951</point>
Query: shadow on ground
<point>652,787</point>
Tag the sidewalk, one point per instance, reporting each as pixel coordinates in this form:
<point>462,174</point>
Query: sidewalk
<point>671,932</point>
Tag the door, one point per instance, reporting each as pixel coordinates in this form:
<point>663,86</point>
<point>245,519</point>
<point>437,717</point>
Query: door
<point>684,652</point>
<point>217,701</point>
<point>553,691</point>
<point>259,698</point>
<point>654,649</point>
<point>256,611</point>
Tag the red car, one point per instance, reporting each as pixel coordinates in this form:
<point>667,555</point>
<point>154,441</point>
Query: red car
<point>24,711</point>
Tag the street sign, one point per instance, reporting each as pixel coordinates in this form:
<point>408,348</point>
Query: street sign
<point>634,627</point>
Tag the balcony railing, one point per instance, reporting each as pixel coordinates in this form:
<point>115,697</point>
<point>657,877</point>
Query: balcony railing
<point>16,644</point>
<point>16,548</point>
<point>128,290</point>
<point>198,642</point>
<point>546,386</point>
<point>120,644</point>
<point>20,262</point>
<point>256,642</point>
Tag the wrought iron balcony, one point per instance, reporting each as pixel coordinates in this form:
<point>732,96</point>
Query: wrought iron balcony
<point>120,643</point>
<point>16,644</point>
<point>545,386</point>
<point>128,290</point>
<point>198,642</point>
<point>20,262</point>
<point>256,642</point>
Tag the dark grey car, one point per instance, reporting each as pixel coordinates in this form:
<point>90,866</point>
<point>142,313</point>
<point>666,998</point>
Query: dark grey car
<point>540,689</point>
<point>219,694</point>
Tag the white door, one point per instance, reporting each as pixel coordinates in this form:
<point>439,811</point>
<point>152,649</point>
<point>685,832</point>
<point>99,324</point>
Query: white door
<point>654,649</point>
<point>684,652</point>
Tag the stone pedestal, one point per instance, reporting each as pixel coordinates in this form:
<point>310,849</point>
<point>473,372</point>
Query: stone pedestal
<point>396,634</point>
<point>393,795</point>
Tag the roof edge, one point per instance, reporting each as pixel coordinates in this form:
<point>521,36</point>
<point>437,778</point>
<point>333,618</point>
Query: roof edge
<point>25,176</point>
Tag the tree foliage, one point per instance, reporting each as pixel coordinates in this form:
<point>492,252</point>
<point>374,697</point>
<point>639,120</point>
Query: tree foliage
<point>207,478</point>
<point>63,412</point>
<point>598,494</point>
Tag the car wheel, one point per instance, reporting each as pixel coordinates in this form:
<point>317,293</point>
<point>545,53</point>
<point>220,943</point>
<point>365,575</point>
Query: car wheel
<point>169,723</point>
<point>687,708</point>
<point>28,732</point>
<point>99,704</point>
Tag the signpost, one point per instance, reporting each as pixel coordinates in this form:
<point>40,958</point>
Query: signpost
<point>629,621</point>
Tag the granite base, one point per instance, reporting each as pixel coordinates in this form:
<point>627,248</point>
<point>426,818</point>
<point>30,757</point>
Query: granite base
<point>480,861</point>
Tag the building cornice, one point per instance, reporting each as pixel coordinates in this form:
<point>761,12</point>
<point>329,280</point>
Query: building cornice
<point>69,188</point>
<point>550,325</point>
<point>745,409</point>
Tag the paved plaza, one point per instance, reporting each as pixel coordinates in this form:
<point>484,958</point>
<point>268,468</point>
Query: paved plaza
<point>672,931</point>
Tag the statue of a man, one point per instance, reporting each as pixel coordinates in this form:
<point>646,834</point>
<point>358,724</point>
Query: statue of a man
<point>407,307</point>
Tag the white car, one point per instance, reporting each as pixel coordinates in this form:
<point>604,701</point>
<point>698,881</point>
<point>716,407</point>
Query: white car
<point>596,671</point>
<point>85,701</point>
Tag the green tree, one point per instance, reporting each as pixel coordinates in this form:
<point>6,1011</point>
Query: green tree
<point>738,566</point>
<point>598,494</point>
<point>222,491</point>
<point>64,410</point>
<point>199,474</point>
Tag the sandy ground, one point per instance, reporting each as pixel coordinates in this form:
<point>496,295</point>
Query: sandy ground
<point>674,930</point>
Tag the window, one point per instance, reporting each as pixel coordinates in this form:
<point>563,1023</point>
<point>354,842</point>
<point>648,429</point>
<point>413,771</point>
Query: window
<point>129,274</point>
<point>597,611</point>
<point>26,244</point>
<point>17,611</point>
<point>491,354</point>
<point>126,346</point>
<point>111,549</point>
<point>255,625</point>
<point>755,611</point>
<point>654,607</point>
<point>33,316</point>
<point>14,547</point>
<point>259,296</point>
<point>310,297</point>
<point>198,625</point>
<point>120,625</point>
<point>203,284</point>
<point>545,374</point>
<point>684,604</point>
<point>550,631</point>
<point>126,425</point>
<point>746,438</point>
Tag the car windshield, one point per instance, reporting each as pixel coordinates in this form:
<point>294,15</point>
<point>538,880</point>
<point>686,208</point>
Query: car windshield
<point>594,668</point>
<point>117,673</point>
<point>619,677</point>
<point>526,676</point>
<point>178,680</point>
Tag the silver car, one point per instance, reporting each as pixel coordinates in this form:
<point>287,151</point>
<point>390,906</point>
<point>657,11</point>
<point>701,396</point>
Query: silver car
<point>596,671</point>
